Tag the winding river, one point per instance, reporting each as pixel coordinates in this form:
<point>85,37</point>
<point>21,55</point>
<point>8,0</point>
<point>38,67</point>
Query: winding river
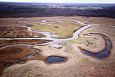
<point>30,54</point>
<point>101,54</point>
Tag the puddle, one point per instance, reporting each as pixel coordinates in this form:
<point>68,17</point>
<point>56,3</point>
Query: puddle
<point>103,53</point>
<point>55,59</point>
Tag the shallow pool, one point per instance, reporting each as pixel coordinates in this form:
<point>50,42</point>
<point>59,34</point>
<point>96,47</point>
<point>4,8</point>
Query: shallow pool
<point>55,59</point>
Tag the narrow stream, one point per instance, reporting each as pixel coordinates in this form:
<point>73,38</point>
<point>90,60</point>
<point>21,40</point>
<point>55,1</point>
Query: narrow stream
<point>103,53</point>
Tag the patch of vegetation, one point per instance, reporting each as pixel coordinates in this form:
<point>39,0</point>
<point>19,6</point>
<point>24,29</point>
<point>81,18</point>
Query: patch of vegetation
<point>61,30</point>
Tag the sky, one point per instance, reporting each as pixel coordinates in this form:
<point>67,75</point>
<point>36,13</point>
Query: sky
<point>63,1</point>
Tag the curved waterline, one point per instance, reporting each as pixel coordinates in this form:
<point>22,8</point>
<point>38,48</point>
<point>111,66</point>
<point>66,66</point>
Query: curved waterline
<point>100,54</point>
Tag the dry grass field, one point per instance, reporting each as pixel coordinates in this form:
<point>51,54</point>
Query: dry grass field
<point>77,63</point>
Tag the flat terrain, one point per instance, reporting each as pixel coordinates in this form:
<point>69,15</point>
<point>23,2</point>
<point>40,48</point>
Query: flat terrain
<point>77,63</point>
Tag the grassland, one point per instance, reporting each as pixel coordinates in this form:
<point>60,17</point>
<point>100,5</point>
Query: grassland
<point>63,29</point>
<point>79,65</point>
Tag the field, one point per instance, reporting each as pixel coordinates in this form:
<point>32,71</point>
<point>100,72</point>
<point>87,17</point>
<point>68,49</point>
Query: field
<point>32,61</point>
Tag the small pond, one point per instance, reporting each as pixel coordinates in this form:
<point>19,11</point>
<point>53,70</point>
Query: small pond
<point>55,59</point>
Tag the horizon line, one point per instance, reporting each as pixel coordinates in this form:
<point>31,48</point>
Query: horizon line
<point>60,2</point>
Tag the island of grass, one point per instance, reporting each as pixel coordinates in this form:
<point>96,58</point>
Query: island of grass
<point>61,28</point>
